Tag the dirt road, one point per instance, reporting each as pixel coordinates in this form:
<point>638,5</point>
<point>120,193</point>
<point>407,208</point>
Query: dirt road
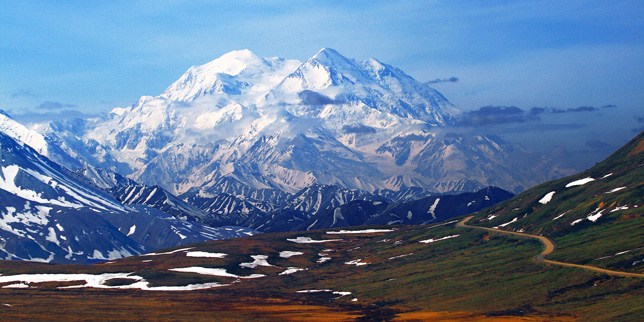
<point>549,248</point>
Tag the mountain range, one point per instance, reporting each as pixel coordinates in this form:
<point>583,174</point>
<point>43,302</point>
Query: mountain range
<point>268,144</point>
<point>51,214</point>
<point>284,125</point>
<point>304,210</point>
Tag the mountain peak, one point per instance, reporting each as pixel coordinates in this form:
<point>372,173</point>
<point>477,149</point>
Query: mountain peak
<point>327,52</point>
<point>21,133</point>
<point>231,73</point>
<point>231,63</point>
<point>331,57</point>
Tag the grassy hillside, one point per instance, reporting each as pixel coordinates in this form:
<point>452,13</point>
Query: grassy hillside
<point>599,222</point>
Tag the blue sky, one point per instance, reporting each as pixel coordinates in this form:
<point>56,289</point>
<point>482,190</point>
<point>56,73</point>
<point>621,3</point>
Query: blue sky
<point>94,55</point>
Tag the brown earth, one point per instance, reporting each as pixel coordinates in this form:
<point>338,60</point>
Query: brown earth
<point>110,305</point>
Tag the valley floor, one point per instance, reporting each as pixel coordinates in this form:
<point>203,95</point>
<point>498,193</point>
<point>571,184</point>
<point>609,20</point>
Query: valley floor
<point>100,305</point>
<point>411,273</point>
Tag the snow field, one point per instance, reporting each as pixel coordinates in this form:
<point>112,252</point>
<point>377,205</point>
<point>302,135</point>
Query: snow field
<point>97,281</point>
<point>205,254</point>
<point>580,182</point>
<point>546,199</point>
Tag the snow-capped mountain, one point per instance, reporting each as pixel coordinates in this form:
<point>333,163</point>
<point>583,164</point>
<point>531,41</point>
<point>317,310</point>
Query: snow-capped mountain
<point>272,124</point>
<point>332,206</point>
<point>50,214</point>
<point>48,145</point>
<point>104,179</point>
<point>385,212</point>
<point>236,73</point>
<point>156,197</point>
<point>319,197</point>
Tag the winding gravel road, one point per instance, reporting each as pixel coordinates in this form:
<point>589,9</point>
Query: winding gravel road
<point>549,248</point>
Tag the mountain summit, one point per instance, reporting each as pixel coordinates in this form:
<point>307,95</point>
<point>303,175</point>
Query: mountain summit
<point>235,73</point>
<point>274,123</point>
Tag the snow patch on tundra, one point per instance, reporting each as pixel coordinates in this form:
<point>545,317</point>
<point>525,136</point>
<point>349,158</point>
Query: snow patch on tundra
<point>288,254</point>
<point>258,260</point>
<point>205,254</point>
<point>357,262</point>
<point>292,270</point>
<point>309,240</point>
<point>616,189</point>
<point>507,223</point>
<point>546,199</point>
<point>580,182</point>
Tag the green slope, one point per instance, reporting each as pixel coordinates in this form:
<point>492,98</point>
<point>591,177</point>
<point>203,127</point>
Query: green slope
<point>614,237</point>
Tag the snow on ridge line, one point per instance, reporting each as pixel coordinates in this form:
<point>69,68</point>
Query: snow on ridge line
<point>168,253</point>
<point>546,199</point>
<point>309,240</point>
<point>431,240</point>
<point>364,231</point>
<point>205,254</point>
<point>580,182</point>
